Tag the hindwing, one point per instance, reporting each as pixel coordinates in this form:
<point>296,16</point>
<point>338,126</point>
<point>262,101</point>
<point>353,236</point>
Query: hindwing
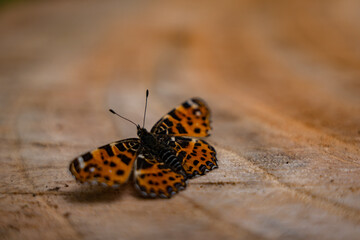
<point>197,156</point>
<point>154,179</point>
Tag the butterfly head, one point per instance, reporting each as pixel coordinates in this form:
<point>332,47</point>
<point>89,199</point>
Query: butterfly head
<point>141,131</point>
<point>148,140</point>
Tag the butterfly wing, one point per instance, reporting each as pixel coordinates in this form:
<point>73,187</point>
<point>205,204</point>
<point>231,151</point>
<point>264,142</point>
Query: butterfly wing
<point>197,156</point>
<point>191,118</point>
<point>154,179</point>
<point>110,164</point>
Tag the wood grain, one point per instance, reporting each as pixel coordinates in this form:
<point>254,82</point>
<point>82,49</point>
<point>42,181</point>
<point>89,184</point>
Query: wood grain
<point>282,81</point>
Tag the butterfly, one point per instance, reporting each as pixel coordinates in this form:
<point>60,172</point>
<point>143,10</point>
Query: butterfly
<point>161,160</point>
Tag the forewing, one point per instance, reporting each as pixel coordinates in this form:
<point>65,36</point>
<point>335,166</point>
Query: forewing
<point>192,118</point>
<point>154,179</point>
<point>110,164</point>
<point>197,156</point>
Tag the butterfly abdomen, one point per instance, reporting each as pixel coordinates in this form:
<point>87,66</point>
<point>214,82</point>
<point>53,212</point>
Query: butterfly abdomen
<point>168,156</point>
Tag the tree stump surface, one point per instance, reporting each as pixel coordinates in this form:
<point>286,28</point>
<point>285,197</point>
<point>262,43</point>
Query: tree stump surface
<point>281,79</point>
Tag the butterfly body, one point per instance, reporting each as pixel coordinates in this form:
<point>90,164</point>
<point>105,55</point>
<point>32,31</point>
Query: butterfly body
<point>157,146</point>
<point>161,159</point>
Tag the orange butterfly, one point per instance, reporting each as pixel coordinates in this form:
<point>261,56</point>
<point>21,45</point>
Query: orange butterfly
<point>162,159</point>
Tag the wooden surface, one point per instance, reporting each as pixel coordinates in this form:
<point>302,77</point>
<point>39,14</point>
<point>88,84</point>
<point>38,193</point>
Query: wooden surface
<point>282,81</point>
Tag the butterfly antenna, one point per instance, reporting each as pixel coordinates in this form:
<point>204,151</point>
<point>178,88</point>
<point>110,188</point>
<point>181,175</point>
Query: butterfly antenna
<point>112,111</point>
<point>147,94</point>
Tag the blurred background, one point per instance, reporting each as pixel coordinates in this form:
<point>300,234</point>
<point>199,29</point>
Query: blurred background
<point>282,79</point>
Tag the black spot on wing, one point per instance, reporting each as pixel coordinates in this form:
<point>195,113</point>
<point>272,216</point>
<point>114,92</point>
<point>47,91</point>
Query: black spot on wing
<point>202,168</point>
<point>168,122</point>
<point>183,144</point>
<point>181,155</point>
<point>108,149</point>
<point>181,129</point>
<point>173,115</point>
<point>87,156</point>
<point>76,165</point>
<point>143,164</point>
<point>124,159</point>
<point>121,147</point>
<point>169,131</point>
<point>87,168</point>
<point>209,163</point>
<point>186,105</point>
